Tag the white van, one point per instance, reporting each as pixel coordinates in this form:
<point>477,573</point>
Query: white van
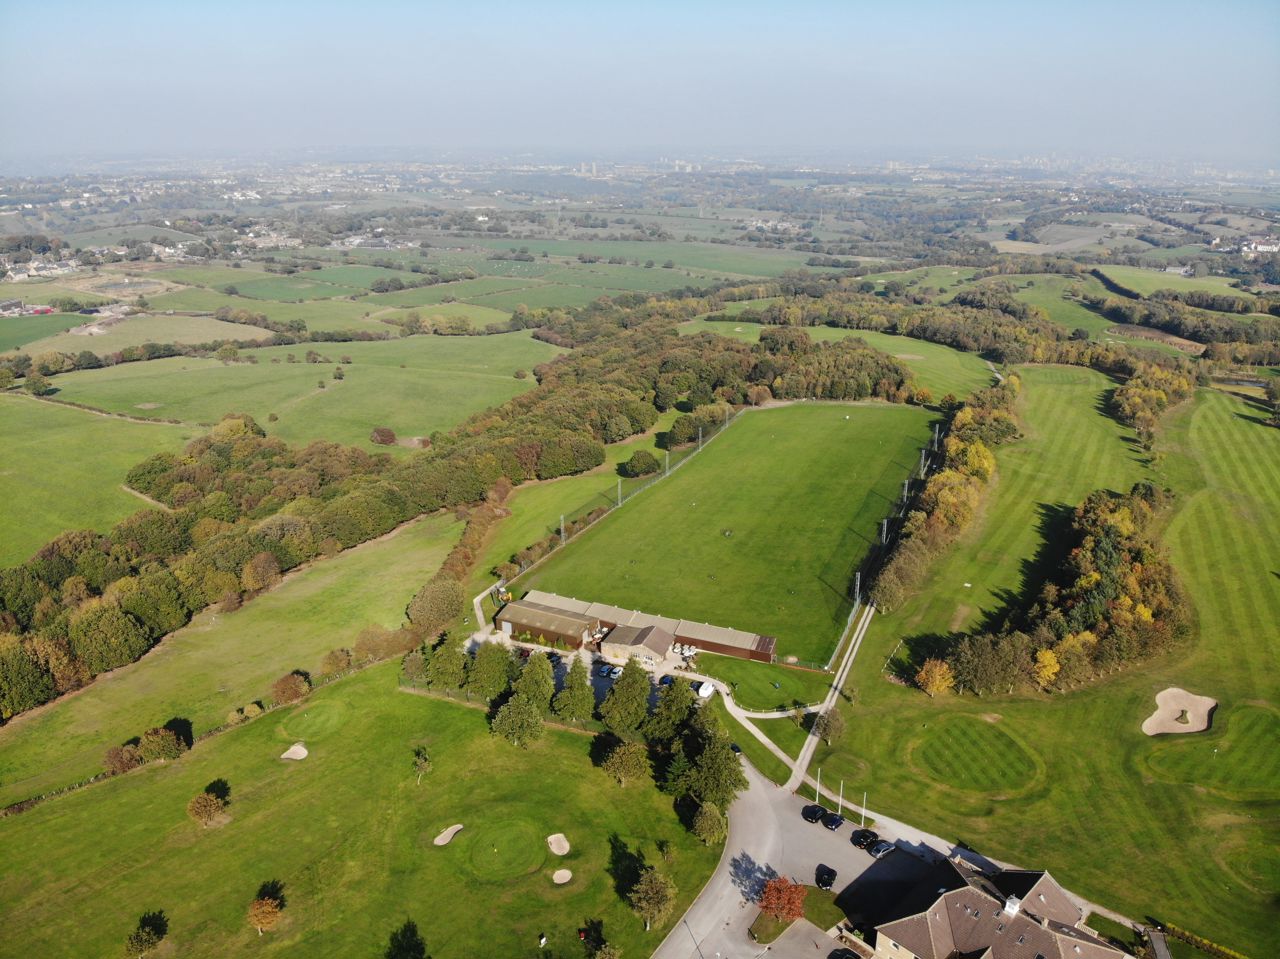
<point>705,690</point>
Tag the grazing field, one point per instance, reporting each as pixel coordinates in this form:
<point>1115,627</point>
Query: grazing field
<point>611,277</point>
<point>63,468</point>
<point>348,834</point>
<point>318,314</point>
<point>1148,826</point>
<point>297,286</point>
<point>144,328</point>
<point>939,368</point>
<point>769,524</point>
<point>16,331</point>
<point>415,386</point>
<point>543,296</point>
<point>441,292</point>
<point>223,660</point>
<point>210,276</point>
<point>1146,282</point>
<point>710,258</point>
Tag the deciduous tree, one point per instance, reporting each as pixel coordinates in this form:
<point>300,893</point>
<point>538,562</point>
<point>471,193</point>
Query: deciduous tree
<point>936,677</point>
<point>204,808</point>
<point>290,687</point>
<point>264,913</point>
<point>829,725</point>
<point>628,761</point>
<point>783,900</point>
<point>653,896</point>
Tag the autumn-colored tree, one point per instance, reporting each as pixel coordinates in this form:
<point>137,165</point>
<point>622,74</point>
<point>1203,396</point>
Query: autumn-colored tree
<point>1046,668</point>
<point>783,899</point>
<point>936,677</point>
<point>261,572</point>
<point>160,743</point>
<point>120,759</point>
<point>204,808</point>
<point>290,687</point>
<point>264,913</point>
<point>652,896</point>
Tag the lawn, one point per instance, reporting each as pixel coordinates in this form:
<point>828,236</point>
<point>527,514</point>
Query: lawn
<point>762,531</point>
<point>136,330</point>
<point>415,386</point>
<point>939,368</point>
<point>348,833</point>
<point>16,331</point>
<point>1163,826</point>
<point>762,687</point>
<point>223,660</point>
<point>765,762</point>
<point>64,468</point>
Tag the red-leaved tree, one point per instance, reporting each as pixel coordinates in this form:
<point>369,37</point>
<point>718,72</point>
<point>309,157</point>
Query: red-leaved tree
<point>783,899</point>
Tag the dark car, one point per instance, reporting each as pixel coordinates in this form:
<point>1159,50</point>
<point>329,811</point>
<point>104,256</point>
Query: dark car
<point>813,813</point>
<point>824,877</point>
<point>881,849</point>
<point>735,747</point>
<point>863,838</point>
<point>666,680</point>
<point>833,821</point>
<point>554,659</point>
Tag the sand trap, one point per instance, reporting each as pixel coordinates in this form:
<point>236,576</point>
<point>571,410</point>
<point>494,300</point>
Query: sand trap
<point>445,837</point>
<point>561,876</point>
<point>296,751</point>
<point>1171,703</point>
<point>558,844</point>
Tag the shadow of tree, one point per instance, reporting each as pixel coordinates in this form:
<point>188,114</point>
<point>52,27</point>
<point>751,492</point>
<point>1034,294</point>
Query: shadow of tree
<point>220,788</point>
<point>156,921</point>
<point>406,943</point>
<point>182,729</point>
<point>750,876</point>
<point>272,889</point>
<point>625,865</point>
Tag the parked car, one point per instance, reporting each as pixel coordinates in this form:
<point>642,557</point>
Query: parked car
<point>864,838</point>
<point>604,670</point>
<point>615,672</point>
<point>554,659</point>
<point>705,689</point>
<point>666,680</point>
<point>813,813</point>
<point>833,821</point>
<point>735,747</point>
<point>824,877</point>
<point>881,849</point>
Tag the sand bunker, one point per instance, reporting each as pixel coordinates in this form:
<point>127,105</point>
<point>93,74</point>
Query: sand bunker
<point>558,844</point>
<point>296,751</point>
<point>1171,704</point>
<point>445,837</point>
<point>561,876</point>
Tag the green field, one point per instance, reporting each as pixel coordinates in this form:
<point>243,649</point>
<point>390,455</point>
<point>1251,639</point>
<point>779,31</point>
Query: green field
<point>64,468</point>
<point>709,257</point>
<point>1146,282</point>
<point>318,314</point>
<point>1145,826</point>
<point>761,687</point>
<point>348,833</point>
<point>768,547</point>
<point>415,386</point>
<point>136,330</point>
<point>543,296</point>
<point>16,331</point>
<point>211,276</point>
<point>298,286</point>
<point>974,755</point>
<point>939,368</point>
<point>440,292</point>
<point>223,660</point>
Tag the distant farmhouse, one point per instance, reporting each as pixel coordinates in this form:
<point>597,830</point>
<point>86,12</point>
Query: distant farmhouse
<point>960,912</point>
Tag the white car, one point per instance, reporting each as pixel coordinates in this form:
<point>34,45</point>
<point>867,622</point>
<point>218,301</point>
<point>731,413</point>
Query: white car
<point>705,690</point>
<point>615,672</point>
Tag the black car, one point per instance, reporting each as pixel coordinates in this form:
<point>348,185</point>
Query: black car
<point>824,877</point>
<point>863,838</point>
<point>813,813</point>
<point>735,747</point>
<point>833,821</point>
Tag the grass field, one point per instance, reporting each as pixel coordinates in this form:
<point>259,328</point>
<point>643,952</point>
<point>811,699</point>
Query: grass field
<point>940,368</point>
<point>348,833</point>
<point>63,468</point>
<point>16,331</point>
<point>298,286</point>
<point>1146,282</point>
<point>318,314</point>
<point>543,296</point>
<point>1145,826</point>
<point>136,330</point>
<point>769,548</point>
<point>414,386</point>
<point>762,687</point>
<point>713,258</point>
<point>223,660</point>
<point>440,292</point>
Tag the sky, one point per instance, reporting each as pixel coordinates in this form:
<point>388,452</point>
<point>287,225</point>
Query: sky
<point>687,79</point>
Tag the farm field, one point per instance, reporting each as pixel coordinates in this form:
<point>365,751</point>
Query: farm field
<point>440,292</point>
<point>938,277</point>
<point>17,331</point>
<point>145,328</point>
<point>63,469</point>
<point>318,314</point>
<point>296,286</point>
<point>220,661</point>
<point>1147,282</point>
<point>1203,857</point>
<point>770,548</point>
<point>712,258</point>
<point>542,296</point>
<point>414,385</point>
<point>940,368</point>
<point>348,832</point>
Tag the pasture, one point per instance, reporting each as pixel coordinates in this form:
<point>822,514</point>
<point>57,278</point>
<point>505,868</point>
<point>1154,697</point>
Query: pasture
<point>1146,282</point>
<point>939,368</point>
<point>348,833</point>
<point>63,469</point>
<point>221,661</point>
<point>295,286</point>
<point>707,258</point>
<point>18,331</point>
<point>768,524</point>
<point>144,328</point>
<point>317,314</point>
<point>1148,826</point>
<point>415,386</point>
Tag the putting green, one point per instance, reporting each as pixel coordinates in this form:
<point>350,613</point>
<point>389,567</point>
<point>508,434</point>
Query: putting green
<point>502,850</point>
<point>975,755</point>
<point>314,721</point>
<point>1237,758</point>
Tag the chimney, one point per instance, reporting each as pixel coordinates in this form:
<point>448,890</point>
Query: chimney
<point>1012,905</point>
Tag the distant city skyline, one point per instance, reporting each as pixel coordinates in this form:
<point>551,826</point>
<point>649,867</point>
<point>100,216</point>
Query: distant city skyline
<point>1176,81</point>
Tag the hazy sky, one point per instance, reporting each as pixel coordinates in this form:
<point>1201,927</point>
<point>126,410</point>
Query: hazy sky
<point>233,77</point>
